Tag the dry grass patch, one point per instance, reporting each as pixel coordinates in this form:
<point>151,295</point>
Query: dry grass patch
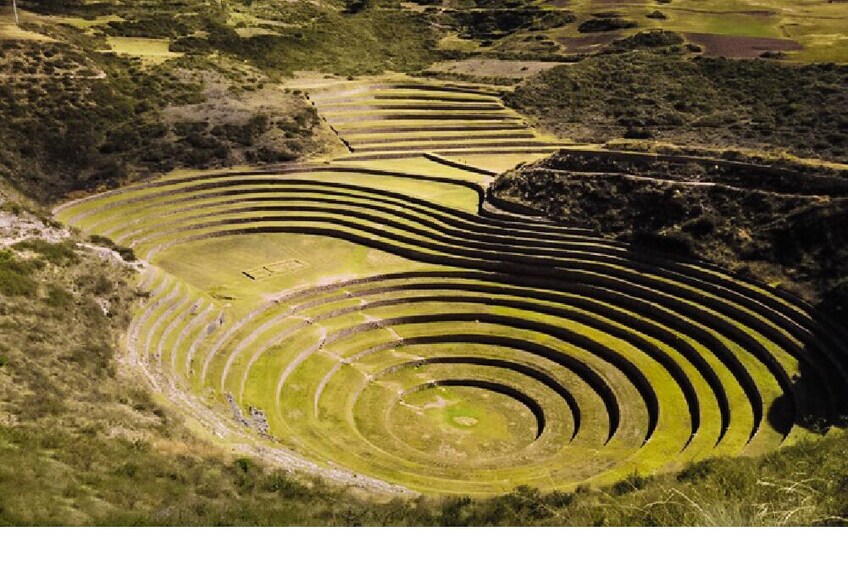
<point>740,47</point>
<point>493,67</point>
<point>13,32</point>
<point>150,51</point>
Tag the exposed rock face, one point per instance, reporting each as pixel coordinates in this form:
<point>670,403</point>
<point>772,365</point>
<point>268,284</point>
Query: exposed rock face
<point>260,422</point>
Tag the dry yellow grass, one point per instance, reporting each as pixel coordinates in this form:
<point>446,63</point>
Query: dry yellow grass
<point>150,51</point>
<point>11,31</point>
<point>493,67</point>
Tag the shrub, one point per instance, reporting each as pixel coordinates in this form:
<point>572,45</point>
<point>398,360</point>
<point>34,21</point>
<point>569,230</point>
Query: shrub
<point>95,283</point>
<point>453,512</point>
<point>703,101</point>
<point>500,22</point>
<point>59,298</point>
<point>649,40</point>
<point>61,253</point>
<point>559,499</point>
<point>15,277</point>
<point>835,300</point>
<point>283,485</point>
<point>126,253</point>
<point>356,6</point>
<point>596,25</point>
<point>675,243</point>
<point>697,472</point>
<point>632,483</point>
<point>638,133</point>
<point>700,226</point>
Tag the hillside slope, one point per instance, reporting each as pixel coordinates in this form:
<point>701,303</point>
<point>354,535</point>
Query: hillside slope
<point>777,221</point>
<point>96,96</point>
<point>650,93</point>
<point>83,441</point>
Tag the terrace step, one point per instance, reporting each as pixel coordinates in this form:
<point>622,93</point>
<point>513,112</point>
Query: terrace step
<point>484,351</point>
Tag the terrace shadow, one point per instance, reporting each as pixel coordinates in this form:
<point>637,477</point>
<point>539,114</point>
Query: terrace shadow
<point>818,397</point>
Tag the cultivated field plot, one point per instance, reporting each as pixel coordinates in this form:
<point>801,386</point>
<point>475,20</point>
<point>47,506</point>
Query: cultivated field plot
<point>808,30</point>
<point>497,68</point>
<point>150,51</point>
<point>395,117</point>
<point>407,335</point>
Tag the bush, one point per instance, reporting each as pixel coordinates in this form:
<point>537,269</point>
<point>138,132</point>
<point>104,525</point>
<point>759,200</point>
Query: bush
<point>596,25</point>
<point>697,472</point>
<point>356,6</point>
<point>59,298</point>
<point>674,243</point>
<point>126,253</point>
<point>15,277</point>
<point>835,300</point>
<point>61,253</point>
<point>649,40</point>
<point>638,133</point>
<point>630,484</point>
<point>699,227</point>
<point>497,23</point>
<point>283,485</point>
<point>96,284</point>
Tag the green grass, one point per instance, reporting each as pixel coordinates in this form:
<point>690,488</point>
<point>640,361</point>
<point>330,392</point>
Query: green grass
<point>327,395</point>
<point>82,442</point>
<point>155,472</point>
<point>421,117</point>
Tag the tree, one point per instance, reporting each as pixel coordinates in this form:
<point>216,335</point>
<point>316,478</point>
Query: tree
<point>15,10</point>
<point>356,6</point>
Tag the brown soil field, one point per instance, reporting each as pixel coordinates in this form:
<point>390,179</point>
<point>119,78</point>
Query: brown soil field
<point>740,46</point>
<point>493,67</point>
<point>588,43</point>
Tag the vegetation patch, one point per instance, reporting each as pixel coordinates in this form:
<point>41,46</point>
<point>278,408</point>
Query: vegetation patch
<point>719,102</point>
<point>125,253</point>
<point>493,23</point>
<point>441,317</point>
<point>15,279</point>
<point>148,50</point>
<point>750,218</point>
<point>359,308</point>
<point>605,23</point>
<point>493,68</point>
